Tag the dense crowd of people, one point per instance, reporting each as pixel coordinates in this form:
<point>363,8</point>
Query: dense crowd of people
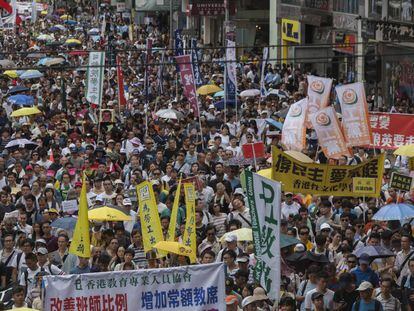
<point>135,145</point>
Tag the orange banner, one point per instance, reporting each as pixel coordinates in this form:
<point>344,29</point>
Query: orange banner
<point>319,90</point>
<point>329,133</point>
<point>355,118</point>
<point>294,130</point>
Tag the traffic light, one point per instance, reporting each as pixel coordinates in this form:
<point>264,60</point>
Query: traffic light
<point>372,64</point>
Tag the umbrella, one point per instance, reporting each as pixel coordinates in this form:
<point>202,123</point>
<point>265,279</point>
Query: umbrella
<point>169,114</point>
<point>21,143</point>
<point>243,234</point>
<point>407,150</point>
<point>250,93</point>
<point>299,156</point>
<point>42,61</point>
<point>36,55</point>
<point>397,211</point>
<point>21,100</point>
<point>108,213</point>
<point>306,258</point>
<point>286,240</point>
<point>31,74</point>
<point>67,223</point>
<point>57,28</point>
<point>276,124</point>
<point>54,43</point>
<point>267,172</point>
<point>11,73</point>
<point>70,22</point>
<point>55,61</point>
<point>278,93</point>
<point>208,89</point>
<point>230,103</point>
<point>373,252</point>
<point>18,89</point>
<point>44,12</point>
<point>94,31</point>
<point>73,42</point>
<point>66,16</point>
<point>6,63</point>
<point>25,112</point>
<point>174,247</point>
<point>44,37</point>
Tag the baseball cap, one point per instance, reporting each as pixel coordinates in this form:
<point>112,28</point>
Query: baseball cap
<point>127,201</point>
<point>42,251</point>
<point>316,295</point>
<point>364,286</point>
<point>41,241</point>
<point>326,226</point>
<point>364,259</point>
<point>239,191</point>
<point>248,300</point>
<point>288,193</point>
<point>211,107</point>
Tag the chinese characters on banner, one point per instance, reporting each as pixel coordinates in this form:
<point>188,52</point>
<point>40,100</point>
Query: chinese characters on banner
<point>120,78</point>
<point>263,196</point>
<point>323,179</point>
<point>319,90</point>
<point>195,288</point>
<point>95,77</point>
<point>364,185</point>
<point>189,237</point>
<point>187,80</point>
<point>392,130</point>
<point>230,73</point>
<point>330,137</point>
<point>178,42</point>
<point>355,122</point>
<point>400,182</point>
<point>195,62</point>
<point>294,130</point>
<point>148,213</point>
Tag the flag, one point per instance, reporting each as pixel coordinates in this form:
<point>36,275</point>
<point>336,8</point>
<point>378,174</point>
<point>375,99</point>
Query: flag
<point>174,213</point>
<point>120,76</point>
<point>34,11</point>
<point>95,78</point>
<point>319,90</point>
<point>80,245</point>
<point>12,10</point>
<point>187,81</point>
<point>230,72</point>
<point>263,196</point>
<point>294,127</point>
<point>255,150</point>
<point>148,213</point>
<point>196,67</point>
<point>160,75</point>
<point>189,237</point>
<point>262,74</point>
<point>179,45</point>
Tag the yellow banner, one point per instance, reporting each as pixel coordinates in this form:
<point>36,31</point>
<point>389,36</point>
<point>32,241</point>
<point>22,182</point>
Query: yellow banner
<point>364,186</point>
<point>290,30</point>
<point>81,242</point>
<point>190,238</point>
<point>323,179</point>
<point>173,220</point>
<point>148,212</point>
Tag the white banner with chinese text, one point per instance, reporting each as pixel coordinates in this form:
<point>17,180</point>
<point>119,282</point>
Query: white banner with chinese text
<point>195,288</point>
<point>95,77</point>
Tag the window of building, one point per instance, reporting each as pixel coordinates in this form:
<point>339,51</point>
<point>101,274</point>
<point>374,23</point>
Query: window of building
<point>346,6</point>
<point>375,8</point>
<point>401,10</point>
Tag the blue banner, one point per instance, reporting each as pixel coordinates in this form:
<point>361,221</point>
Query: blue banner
<point>196,67</point>
<point>179,46</point>
<point>230,68</point>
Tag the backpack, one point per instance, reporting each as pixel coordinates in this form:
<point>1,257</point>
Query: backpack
<point>376,302</point>
<point>26,273</point>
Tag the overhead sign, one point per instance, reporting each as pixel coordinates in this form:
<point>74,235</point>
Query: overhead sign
<point>364,186</point>
<point>401,182</point>
<point>290,30</point>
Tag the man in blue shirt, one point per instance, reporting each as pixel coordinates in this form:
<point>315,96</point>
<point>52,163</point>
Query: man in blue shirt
<point>366,302</point>
<point>364,273</point>
<point>82,267</point>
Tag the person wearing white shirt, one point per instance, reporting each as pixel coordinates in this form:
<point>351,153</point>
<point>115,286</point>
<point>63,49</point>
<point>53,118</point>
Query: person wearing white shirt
<point>321,287</point>
<point>289,207</point>
<point>129,225</point>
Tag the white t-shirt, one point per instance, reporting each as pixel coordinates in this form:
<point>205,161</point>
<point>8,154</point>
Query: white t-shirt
<point>22,264</point>
<point>31,279</point>
<point>327,298</point>
<point>291,209</point>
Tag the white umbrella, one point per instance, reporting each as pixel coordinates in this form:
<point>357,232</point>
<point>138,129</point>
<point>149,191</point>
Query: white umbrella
<point>6,63</point>
<point>278,93</point>
<point>169,114</point>
<point>250,93</point>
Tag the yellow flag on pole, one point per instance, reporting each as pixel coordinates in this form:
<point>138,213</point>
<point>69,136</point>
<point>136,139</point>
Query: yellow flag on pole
<point>148,213</point>
<point>190,238</point>
<point>80,245</point>
<point>174,212</point>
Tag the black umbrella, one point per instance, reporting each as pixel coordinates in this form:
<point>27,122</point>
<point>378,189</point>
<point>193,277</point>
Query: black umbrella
<point>302,260</point>
<point>374,252</point>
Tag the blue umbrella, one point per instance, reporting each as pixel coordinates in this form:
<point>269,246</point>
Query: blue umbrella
<point>373,251</point>
<point>21,100</point>
<point>70,22</point>
<point>42,62</point>
<point>230,103</point>
<point>18,89</point>
<point>66,223</point>
<point>31,74</point>
<point>278,125</point>
<point>393,211</point>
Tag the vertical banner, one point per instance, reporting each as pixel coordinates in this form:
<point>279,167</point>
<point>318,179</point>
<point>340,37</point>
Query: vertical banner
<point>231,73</point>
<point>294,128</point>
<point>355,118</point>
<point>189,237</point>
<point>173,220</point>
<point>148,213</point>
<point>160,75</point>
<point>95,78</point>
<point>262,73</point>
<point>263,197</point>
<point>179,45</point>
<point>329,133</point>
<point>196,67</point>
<point>34,12</point>
<point>187,80</point>
<point>120,77</point>
<point>319,90</point>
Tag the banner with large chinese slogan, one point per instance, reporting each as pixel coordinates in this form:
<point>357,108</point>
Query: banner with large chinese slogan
<point>319,90</point>
<point>294,129</point>
<point>195,288</point>
<point>355,119</point>
<point>323,179</point>
<point>263,197</point>
<point>392,130</point>
<point>95,77</point>
<point>330,137</point>
<point>187,80</point>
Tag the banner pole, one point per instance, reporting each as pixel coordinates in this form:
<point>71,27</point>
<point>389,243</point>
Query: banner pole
<point>254,158</point>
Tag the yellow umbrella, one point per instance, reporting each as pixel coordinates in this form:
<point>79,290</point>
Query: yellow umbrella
<point>208,89</point>
<point>406,150</point>
<point>299,156</point>
<point>267,172</point>
<point>108,213</point>
<point>73,41</point>
<point>65,16</point>
<point>25,309</point>
<point>25,112</point>
<point>11,73</point>
<point>44,12</point>
<point>174,247</point>
<point>243,234</point>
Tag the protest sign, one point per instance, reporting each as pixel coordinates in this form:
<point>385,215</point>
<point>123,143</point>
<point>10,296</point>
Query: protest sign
<point>364,186</point>
<point>323,179</point>
<point>294,129</point>
<point>187,81</point>
<point>70,206</point>
<point>400,182</point>
<point>264,202</point>
<point>189,237</point>
<point>195,288</point>
<point>95,77</point>
<point>255,150</point>
<point>392,130</point>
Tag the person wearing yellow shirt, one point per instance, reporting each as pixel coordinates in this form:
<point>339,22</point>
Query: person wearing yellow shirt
<point>304,237</point>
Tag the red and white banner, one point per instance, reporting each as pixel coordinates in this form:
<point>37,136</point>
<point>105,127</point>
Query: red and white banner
<point>354,107</point>
<point>294,130</point>
<point>187,80</point>
<point>392,130</point>
<point>329,133</point>
<point>120,77</point>
<point>319,90</point>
